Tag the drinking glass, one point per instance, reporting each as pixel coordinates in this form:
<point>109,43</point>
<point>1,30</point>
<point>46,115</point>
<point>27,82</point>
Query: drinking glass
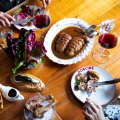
<point>41,21</point>
<point>107,40</point>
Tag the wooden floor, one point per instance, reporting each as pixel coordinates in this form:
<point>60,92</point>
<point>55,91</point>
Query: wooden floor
<point>57,77</point>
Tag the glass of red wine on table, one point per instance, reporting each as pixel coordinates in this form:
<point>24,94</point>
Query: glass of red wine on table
<point>107,40</point>
<point>41,20</point>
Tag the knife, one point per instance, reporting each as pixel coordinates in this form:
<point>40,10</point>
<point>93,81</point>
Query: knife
<point>116,80</point>
<point>17,22</point>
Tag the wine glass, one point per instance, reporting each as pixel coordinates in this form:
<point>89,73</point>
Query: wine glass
<point>107,40</point>
<point>41,21</point>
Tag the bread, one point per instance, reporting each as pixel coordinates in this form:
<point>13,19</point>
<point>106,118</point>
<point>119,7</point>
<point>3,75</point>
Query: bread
<point>27,82</point>
<point>1,101</point>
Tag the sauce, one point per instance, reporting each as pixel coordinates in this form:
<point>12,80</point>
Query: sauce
<point>71,31</point>
<point>12,93</point>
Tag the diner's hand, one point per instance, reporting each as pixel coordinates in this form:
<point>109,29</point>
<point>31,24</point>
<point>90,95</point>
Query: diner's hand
<point>5,19</point>
<point>93,111</point>
<point>46,2</point>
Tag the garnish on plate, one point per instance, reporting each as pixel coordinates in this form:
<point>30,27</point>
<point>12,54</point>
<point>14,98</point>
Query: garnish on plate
<point>24,50</point>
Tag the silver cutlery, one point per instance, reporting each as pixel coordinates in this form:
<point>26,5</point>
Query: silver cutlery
<point>116,80</point>
<point>90,31</point>
<point>17,22</point>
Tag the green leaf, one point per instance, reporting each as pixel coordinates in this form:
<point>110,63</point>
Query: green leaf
<point>40,61</point>
<point>15,69</point>
<point>18,10</point>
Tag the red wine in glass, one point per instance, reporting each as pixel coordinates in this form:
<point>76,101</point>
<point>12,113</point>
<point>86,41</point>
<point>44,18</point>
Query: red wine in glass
<point>108,40</point>
<point>41,21</point>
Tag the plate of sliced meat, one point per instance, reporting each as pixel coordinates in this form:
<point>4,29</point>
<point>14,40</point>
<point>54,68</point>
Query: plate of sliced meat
<point>67,42</point>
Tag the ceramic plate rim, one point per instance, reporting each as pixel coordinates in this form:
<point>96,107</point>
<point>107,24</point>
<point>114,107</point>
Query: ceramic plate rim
<point>114,86</point>
<point>56,28</point>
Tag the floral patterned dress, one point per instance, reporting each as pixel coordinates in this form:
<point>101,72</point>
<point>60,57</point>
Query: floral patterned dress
<point>112,112</point>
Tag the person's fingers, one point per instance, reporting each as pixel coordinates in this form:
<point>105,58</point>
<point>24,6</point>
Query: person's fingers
<point>5,19</point>
<point>90,111</point>
<point>9,17</point>
<point>45,2</point>
<point>7,22</point>
<point>91,101</point>
<point>88,116</point>
<point>2,23</point>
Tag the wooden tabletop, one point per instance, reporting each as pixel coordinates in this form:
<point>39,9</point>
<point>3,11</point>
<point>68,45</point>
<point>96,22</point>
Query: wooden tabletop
<point>57,77</point>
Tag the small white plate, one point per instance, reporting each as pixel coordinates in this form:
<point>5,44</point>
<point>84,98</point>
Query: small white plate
<point>30,27</point>
<point>103,95</point>
<point>55,29</point>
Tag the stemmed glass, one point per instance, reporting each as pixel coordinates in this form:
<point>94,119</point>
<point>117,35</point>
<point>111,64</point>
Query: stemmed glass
<point>42,19</point>
<point>107,40</point>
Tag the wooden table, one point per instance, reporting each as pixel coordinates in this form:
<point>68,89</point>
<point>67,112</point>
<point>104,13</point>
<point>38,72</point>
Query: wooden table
<point>57,77</point>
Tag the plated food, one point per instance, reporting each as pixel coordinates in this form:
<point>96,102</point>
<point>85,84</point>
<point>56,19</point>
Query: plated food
<point>40,107</point>
<point>27,82</point>
<point>67,42</point>
<point>102,94</point>
<point>83,82</point>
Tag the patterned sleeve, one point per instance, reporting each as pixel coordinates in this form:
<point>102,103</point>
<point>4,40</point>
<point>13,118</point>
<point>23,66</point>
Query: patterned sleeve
<point>112,112</point>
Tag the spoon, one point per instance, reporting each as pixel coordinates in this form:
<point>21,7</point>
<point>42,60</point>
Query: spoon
<point>90,31</point>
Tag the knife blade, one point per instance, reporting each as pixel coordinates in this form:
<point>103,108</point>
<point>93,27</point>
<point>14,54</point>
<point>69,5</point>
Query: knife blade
<point>17,22</point>
<point>116,80</point>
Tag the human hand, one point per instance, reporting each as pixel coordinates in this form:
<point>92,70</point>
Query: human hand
<point>45,2</point>
<point>5,19</point>
<point>93,111</point>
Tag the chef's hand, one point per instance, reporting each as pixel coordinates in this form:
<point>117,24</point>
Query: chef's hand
<point>5,19</point>
<point>93,111</point>
<point>46,2</point>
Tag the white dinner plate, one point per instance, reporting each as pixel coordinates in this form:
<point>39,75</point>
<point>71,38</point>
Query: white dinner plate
<point>103,95</point>
<point>55,29</point>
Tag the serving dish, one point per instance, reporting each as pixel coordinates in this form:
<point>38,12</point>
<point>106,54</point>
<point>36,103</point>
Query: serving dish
<point>103,94</point>
<point>55,29</point>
